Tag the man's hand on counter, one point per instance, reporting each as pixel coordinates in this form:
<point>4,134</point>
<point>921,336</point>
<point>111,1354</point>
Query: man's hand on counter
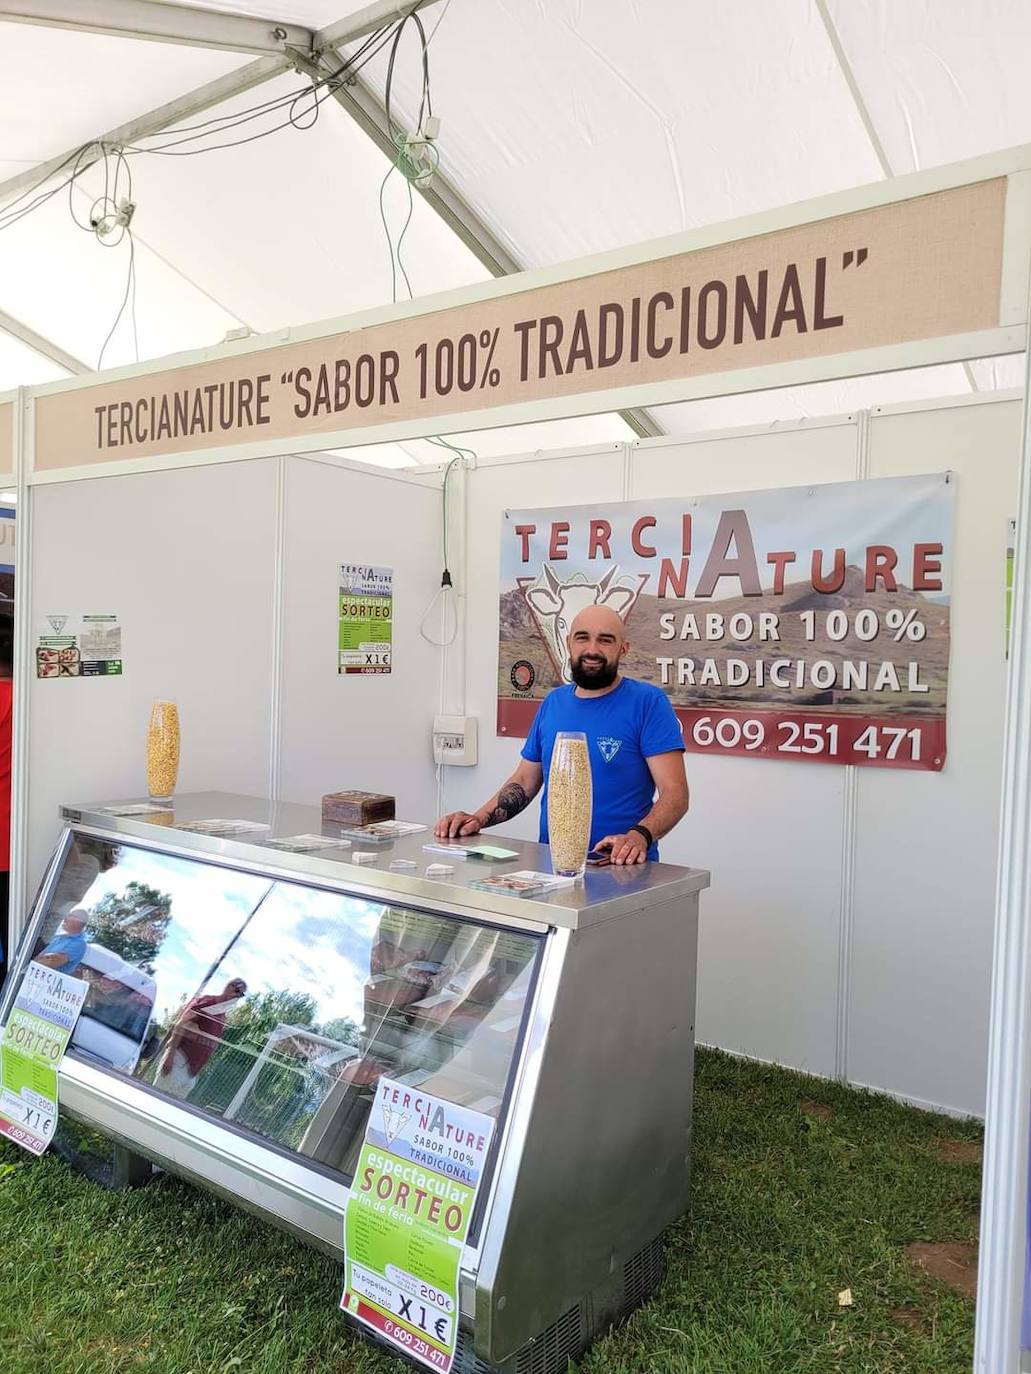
<point>630,848</point>
<point>457,824</point>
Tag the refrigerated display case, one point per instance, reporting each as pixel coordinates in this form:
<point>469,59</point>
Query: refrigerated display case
<point>244,1001</point>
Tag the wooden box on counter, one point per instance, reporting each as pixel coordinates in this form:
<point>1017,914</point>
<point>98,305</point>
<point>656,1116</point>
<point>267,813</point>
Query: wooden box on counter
<point>357,808</point>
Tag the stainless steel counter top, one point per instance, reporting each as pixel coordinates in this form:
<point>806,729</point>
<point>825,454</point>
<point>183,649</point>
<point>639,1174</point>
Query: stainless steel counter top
<point>604,894</point>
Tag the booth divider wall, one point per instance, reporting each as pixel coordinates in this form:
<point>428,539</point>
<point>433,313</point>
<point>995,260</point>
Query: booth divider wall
<point>848,931</point>
<point>926,850</point>
<point>185,558</point>
<point>371,732</point>
<point>225,581</point>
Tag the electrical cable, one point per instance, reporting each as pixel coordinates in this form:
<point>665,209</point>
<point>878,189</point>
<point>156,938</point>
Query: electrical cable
<point>321,90</point>
<point>440,20</point>
<point>227,121</point>
<point>443,600</point>
<point>425,103</point>
<point>376,41</point>
<point>130,289</point>
<point>111,212</point>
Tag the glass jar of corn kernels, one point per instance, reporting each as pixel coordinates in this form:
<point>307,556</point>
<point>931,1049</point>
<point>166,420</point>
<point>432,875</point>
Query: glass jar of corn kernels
<point>569,803</point>
<point>162,750</point>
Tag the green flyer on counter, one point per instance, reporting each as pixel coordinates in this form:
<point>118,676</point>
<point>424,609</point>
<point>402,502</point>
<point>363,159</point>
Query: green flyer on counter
<point>33,1043</point>
<point>408,1216</point>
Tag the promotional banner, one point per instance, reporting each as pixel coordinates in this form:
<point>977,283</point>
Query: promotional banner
<point>927,267</point>
<point>408,1216</point>
<point>33,1043</point>
<point>365,619</point>
<point>802,623</point>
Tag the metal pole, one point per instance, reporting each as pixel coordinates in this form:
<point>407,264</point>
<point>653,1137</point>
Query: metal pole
<point>23,676</point>
<point>1002,1251</point>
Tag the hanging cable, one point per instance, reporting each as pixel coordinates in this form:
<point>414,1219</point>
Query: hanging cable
<point>441,609</point>
<point>111,212</point>
<point>130,293</point>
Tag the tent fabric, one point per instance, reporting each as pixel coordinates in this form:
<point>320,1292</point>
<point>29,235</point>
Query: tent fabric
<point>567,127</point>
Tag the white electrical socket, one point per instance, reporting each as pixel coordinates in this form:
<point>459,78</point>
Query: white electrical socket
<point>454,740</point>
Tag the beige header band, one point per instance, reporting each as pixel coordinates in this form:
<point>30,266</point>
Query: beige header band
<point>6,437</point>
<point>914,270</point>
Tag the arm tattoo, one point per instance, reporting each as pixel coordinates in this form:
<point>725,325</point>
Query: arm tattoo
<point>511,800</point>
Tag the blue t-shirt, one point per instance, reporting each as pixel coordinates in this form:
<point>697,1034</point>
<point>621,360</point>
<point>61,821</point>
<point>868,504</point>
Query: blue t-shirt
<point>624,728</point>
<point>74,946</point>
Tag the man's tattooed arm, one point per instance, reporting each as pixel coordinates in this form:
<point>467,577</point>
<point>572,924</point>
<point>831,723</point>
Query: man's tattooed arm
<point>511,800</point>
<point>515,795</point>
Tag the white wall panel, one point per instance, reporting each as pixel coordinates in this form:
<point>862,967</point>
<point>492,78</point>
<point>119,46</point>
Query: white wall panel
<point>770,831</point>
<point>185,559</point>
<point>560,479</point>
<point>926,847</point>
<point>368,732</point>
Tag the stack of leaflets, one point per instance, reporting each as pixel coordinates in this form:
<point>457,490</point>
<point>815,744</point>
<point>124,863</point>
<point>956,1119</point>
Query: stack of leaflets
<point>220,827</point>
<point>491,852</point>
<point>381,832</point>
<point>525,883</point>
<point>134,809</point>
<point>305,844</point>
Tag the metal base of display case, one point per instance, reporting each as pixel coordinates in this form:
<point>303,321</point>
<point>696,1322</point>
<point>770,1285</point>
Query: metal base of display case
<point>99,1159</point>
<point>576,1330</point>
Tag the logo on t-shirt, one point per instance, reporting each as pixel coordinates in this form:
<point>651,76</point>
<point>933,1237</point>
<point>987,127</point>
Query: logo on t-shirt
<point>609,748</point>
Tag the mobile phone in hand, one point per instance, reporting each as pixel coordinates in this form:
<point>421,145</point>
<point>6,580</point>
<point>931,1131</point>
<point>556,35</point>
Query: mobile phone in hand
<point>597,858</point>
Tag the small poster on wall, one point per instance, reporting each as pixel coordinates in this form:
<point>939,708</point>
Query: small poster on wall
<point>79,646</point>
<point>805,623</point>
<point>365,619</point>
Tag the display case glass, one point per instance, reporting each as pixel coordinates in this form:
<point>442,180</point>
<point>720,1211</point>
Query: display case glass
<point>275,1005</point>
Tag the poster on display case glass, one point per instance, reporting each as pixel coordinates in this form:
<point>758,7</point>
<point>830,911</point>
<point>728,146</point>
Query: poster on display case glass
<point>806,623</point>
<point>408,1216</point>
<point>34,1040</point>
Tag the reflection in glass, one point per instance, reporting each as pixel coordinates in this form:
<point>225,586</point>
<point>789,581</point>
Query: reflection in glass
<point>277,1006</point>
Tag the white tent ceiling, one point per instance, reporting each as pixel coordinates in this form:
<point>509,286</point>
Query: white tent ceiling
<point>568,127</point>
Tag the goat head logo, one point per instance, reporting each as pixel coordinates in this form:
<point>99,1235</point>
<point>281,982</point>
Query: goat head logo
<point>555,604</point>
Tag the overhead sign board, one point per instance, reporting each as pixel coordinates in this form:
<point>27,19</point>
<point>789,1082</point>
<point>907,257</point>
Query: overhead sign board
<point>633,328</point>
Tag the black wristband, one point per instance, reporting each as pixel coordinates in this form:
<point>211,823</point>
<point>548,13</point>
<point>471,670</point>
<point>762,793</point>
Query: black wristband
<point>643,830</point>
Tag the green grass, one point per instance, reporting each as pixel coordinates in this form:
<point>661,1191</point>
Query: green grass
<point>788,1211</point>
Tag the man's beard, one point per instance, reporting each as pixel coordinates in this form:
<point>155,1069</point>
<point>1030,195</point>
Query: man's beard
<point>592,677</point>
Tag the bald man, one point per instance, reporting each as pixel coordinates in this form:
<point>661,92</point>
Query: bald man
<point>635,743</point>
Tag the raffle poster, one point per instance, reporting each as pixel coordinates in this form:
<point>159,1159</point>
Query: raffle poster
<point>806,623</point>
<point>33,1043</point>
<point>365,613</point>
<point>408,1216</point>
